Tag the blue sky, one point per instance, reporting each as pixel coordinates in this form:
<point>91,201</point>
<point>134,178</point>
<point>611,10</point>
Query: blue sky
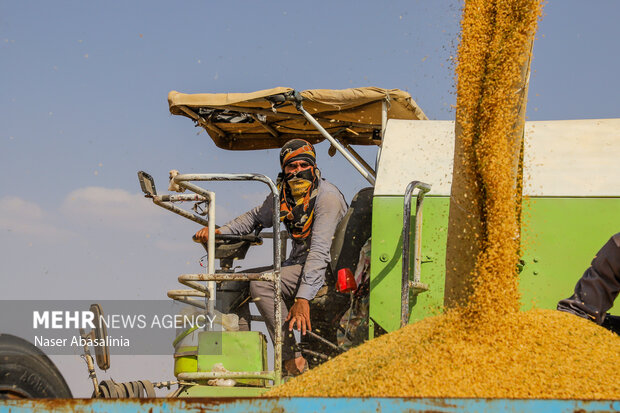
<point>83,106</point>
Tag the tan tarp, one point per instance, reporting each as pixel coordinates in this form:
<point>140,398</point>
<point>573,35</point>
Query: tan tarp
<point>351,115</point>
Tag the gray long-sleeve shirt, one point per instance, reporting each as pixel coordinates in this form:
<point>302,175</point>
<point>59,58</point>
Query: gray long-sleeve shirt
<point>313,252</point>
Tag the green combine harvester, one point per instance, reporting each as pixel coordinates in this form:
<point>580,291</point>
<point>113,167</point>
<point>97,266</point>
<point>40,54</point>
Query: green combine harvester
<point>395,229</point>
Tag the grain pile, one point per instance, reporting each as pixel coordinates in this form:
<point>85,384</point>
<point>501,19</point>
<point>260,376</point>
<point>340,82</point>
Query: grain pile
<point>485,347</point>
<point>534,354</point>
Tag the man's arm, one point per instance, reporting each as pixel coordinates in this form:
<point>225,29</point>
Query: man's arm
<point>261,215</point>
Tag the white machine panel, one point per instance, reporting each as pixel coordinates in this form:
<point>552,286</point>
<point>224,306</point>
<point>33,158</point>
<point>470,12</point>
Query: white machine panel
<point>572,158</point>
<point>421,150</point>
<point>562,158</point>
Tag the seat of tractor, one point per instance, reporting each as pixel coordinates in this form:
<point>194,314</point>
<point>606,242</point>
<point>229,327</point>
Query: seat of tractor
<point>329,305</point>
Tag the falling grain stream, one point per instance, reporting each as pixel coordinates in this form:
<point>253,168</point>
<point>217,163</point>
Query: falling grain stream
<point>482,345</point>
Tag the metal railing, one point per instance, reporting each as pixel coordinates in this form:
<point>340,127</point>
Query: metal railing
<point>211,277</point>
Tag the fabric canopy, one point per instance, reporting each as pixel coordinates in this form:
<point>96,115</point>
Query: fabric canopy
<point>268,118</point>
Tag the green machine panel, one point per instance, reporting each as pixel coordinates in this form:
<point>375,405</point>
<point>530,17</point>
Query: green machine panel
<point>386,263</point>
<point>236,350</point>
<point>560,236</point>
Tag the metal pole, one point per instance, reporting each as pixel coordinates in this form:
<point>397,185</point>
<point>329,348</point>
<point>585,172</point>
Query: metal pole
<point>277,258</point>
<point>337,145</point>
<point>210,197</point>
<point>384,111</point>
<point>211,285</point>
<point>181,212</point>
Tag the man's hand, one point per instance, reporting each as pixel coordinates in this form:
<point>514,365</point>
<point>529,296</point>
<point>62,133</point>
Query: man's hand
<point>203,235</point>
<point>299,314</point>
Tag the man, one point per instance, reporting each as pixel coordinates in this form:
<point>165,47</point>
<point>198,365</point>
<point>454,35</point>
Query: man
<point>310,208</point>
<point>597,289</point>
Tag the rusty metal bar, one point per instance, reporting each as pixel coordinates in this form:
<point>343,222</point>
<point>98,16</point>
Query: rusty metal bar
<point>234,276</point>
<point>179,211</point>
<point>189,301</point>
<point>311,404</point>
<point>186,293</point>
<point>180,198</point>
<point>196,286</point>
<point>183,297</point>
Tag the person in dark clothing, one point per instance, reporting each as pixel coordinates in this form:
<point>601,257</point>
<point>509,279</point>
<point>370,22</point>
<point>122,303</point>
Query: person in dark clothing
<point>598,288</point>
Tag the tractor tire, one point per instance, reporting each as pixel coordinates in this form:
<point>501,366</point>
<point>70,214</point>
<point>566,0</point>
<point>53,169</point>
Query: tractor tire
<point>26,372</point>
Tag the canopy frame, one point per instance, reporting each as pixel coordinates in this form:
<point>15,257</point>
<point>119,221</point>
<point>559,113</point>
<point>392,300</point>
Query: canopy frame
<point>235,121</point>
<point>368,175</point>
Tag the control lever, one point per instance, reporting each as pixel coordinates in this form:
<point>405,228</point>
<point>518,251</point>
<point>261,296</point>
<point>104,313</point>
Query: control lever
<point>254,239</point>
